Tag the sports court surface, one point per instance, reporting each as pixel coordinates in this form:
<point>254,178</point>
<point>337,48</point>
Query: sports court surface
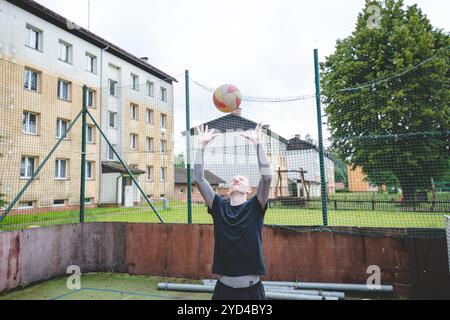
<point>105,286</point>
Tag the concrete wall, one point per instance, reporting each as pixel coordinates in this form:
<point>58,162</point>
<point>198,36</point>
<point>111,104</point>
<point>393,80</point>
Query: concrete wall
<point>44,253</point>
<point>417,267</point>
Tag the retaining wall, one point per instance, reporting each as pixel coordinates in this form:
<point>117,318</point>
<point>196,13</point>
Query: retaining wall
<point>417,267</point>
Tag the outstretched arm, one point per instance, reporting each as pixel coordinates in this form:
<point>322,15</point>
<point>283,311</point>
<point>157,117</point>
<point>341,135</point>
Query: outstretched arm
<point>263,191</point>
<point>205,136</point>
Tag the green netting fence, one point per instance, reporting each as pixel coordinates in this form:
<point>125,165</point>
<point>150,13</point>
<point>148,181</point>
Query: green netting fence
<point>382,166</point>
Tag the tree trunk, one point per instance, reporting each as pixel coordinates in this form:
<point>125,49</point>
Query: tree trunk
<point>408,191</point>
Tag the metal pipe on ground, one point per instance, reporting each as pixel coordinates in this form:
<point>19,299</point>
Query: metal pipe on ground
<point>209,289</point>
<point>326,294</point>
<point>325,286</point>
<point>288,289</point>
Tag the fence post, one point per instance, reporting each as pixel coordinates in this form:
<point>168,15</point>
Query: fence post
<point>321,153</point>
<point>188,148</point>
<point>83,155</point>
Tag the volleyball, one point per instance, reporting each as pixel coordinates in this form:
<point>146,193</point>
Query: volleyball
<point>227,98</point>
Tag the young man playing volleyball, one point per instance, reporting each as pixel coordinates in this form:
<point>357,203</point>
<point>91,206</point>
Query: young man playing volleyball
<point>238,223</point>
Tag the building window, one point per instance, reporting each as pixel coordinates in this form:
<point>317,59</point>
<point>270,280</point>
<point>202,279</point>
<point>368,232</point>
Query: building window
<point>59,203</point>
<point>150,144</point>
<point>89,170</point>
<point>31,80</point>
<point>90,98</point>
<point>112,88</point>
<point>163,121</point>
<point>90,134</point>
<point>164,146</point>
<point>163,94</point>
<point>149,173</point>
<point>26,205</point>
<point>65,51</point>
<point>61,128</point>
<point>134,111</point>
<point>64,90</point>
<point>27,167</point>
<point>135,82</point>
<point>91,63</point>
<point>111,155</point>
<point>29,122</point>
<point>61,169</point>
<point>133,141</point>
<point>34,38</point>
<point>150,116</point>
<point>112,119</point>
<point>150,89</point>
<point>163,173</point>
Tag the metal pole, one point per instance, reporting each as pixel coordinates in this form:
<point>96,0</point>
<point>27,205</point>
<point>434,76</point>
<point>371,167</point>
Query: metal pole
<point>188,149</point>
<point>321,153</point>
<point>321,286</point>
<point>125,166</point>
<point>25,187</point>
<point>83,155</point>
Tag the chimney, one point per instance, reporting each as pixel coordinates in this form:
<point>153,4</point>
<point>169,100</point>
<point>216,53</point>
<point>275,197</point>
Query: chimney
<point>145,59</point>
<point>297,136</point>
<point>237,112</point>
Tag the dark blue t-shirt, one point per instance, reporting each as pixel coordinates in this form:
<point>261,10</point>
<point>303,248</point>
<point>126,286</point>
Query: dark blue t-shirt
<point>237,232</point>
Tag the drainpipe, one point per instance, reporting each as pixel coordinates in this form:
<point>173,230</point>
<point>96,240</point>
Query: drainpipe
<point>117,189</point>
<point>101,122</point>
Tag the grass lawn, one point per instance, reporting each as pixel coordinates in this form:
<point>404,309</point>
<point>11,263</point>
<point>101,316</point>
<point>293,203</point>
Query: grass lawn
<point>289,216</point>
<point>106,286</point>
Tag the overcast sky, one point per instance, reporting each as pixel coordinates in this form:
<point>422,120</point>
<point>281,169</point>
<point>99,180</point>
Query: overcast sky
<point>265,47</point>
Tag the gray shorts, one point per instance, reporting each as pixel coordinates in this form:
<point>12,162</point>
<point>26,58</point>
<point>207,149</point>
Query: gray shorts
<point>224,292</point>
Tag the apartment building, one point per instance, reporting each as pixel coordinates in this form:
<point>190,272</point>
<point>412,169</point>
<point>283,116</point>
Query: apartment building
<point>45,60</point>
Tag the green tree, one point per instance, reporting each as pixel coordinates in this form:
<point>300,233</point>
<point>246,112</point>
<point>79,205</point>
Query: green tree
<point>340,170</point>
<point>179,161</point>
<point>382,179</point>
<point>398,125</point>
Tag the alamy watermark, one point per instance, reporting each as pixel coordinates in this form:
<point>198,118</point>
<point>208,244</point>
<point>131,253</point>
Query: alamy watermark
<point>374,21</point>
<point>74,280</point>
<point>374,280</point>
<point>72,25</point>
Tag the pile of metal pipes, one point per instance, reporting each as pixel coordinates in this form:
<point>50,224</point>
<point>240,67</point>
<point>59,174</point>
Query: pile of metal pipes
<point>273,290</point>
<point>311,286</point>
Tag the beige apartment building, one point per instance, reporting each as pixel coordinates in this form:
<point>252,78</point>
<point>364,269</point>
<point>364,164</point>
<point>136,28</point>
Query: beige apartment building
<point>44,62</point>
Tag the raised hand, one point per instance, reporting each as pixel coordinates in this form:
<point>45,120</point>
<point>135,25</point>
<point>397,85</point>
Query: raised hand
<point>205,135</point>
<point>255,136</point>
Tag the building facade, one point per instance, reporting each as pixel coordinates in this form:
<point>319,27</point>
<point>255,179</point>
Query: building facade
<point>45,61</point>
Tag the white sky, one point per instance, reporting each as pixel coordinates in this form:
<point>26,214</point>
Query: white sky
<point>264,47</point>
